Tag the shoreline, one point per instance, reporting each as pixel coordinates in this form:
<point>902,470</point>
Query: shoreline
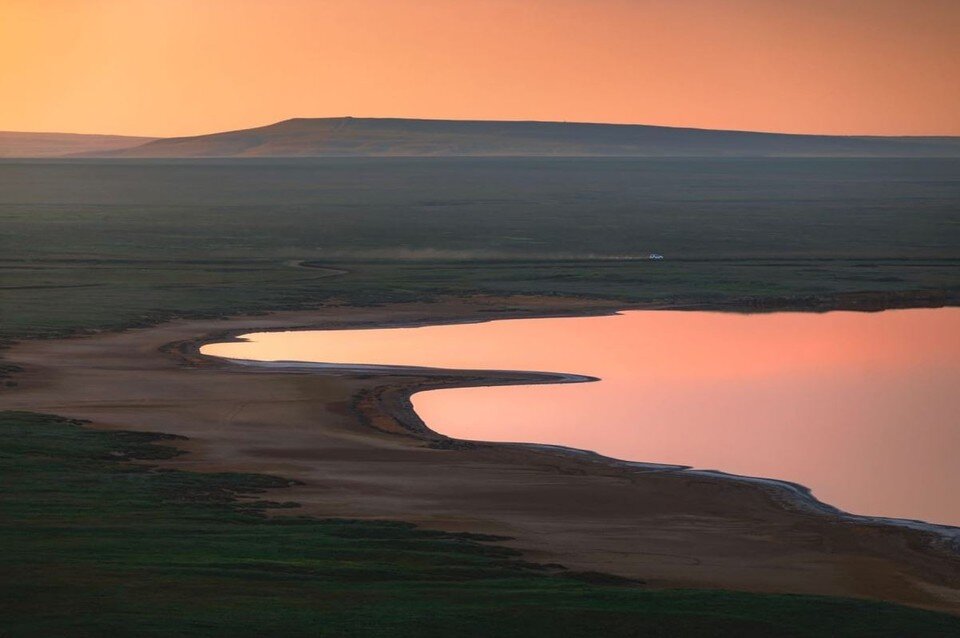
<point>345,437</point>
<point>796,494</point>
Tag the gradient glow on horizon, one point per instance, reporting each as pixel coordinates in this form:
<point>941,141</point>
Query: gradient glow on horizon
<point>183,67</point>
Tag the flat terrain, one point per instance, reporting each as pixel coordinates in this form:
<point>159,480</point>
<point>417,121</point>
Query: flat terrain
<point>22,144</point>
<point>105,244</point>
<point>169,249</point>
<point>666,527</point>
<point>97,545</point>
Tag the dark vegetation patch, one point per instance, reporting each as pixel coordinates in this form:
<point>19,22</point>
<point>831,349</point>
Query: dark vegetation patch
<point>92,544</point>
<point>101,245</point>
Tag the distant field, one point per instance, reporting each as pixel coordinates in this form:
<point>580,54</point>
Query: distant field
<point>90,244</point>
<point>15,144</point>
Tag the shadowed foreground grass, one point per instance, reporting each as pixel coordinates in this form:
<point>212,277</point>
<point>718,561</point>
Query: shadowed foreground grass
<point>95,545</point>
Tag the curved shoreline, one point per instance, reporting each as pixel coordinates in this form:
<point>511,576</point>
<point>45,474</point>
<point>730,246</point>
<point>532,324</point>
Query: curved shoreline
<point>342,437</point>
<point>792,494</point>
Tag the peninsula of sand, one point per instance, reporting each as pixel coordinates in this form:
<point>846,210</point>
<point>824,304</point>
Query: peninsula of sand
<point>351,441</point>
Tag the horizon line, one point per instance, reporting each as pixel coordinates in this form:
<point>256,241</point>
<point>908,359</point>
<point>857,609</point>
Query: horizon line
<point>516,121</point>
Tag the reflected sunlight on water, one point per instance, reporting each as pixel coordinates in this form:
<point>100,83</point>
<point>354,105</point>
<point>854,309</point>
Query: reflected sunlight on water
<point>862,408</point>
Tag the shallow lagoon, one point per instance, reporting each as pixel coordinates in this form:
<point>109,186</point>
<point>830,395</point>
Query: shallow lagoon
<point>862,408</point>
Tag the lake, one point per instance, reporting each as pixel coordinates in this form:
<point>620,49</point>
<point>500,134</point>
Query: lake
<point>863,408</point>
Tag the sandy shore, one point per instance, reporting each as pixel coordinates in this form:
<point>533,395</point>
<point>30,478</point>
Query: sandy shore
<point>353,440</point>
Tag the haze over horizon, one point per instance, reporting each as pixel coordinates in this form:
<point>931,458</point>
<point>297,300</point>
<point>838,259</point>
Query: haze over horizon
<point>468,120</point>
<point>176,68</point>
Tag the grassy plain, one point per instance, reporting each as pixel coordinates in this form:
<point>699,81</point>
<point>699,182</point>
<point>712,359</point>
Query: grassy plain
<point>96,545</point>
<point>91,245</point>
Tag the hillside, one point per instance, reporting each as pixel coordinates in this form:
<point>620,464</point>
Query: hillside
<point>57,144</point>
<point>326,137</point>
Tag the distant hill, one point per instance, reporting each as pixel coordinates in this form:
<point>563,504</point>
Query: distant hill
<point>375,137</point>
<point>58,144</point>
<point>346,136</point>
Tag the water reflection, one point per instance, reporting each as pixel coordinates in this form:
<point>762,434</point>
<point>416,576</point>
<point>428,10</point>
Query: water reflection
<point>862,408</point>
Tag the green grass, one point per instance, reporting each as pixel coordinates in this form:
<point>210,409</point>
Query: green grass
<point>92,544</point>
<point>49,298</point>
<point>94,245</point>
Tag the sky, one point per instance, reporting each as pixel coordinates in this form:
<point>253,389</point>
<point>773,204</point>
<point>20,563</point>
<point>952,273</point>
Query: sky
<point>187,67</point>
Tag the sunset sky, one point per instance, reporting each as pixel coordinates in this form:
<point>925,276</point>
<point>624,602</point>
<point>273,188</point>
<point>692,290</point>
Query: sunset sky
<point>182,67</point>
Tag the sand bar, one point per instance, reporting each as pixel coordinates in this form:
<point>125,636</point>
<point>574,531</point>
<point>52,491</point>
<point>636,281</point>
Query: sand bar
<point>352,439</point>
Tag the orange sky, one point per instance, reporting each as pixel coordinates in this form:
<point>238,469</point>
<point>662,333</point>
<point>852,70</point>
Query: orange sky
<point>181,67</point>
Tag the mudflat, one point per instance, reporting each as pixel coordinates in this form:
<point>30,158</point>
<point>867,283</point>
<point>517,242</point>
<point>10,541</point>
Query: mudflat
<point>352,441</point>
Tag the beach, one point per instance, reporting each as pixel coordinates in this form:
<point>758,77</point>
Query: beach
<point>352,442</point>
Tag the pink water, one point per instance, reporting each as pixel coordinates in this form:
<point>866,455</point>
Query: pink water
<point>862,408</point>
